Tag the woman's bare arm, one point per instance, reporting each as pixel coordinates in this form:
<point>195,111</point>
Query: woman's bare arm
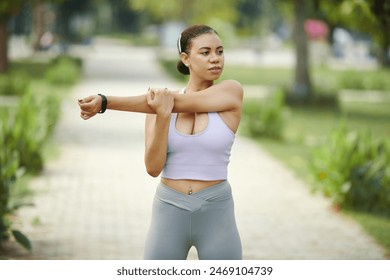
<point>156,131</point>
<point>91,105</point>
<point>226,96</point>
<point>156,143</point>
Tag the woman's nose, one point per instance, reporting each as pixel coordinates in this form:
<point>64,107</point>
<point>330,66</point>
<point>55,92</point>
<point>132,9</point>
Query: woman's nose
<point>214,58</point>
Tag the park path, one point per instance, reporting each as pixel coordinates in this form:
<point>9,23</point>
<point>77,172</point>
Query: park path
<point>93,201</point>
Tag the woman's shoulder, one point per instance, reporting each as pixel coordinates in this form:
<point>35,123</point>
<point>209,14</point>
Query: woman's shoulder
<point>232,86</point>
<point>230,83</point>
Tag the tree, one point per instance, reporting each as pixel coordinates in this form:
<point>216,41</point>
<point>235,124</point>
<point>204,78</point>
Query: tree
<point>369,16</point>
<point>302,89</point>
<point>189,11</point>
<point>7,9</point>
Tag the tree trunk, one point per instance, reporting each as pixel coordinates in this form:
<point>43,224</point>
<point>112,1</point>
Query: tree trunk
<point>301,90</point>
<point>3,46</point>
<point>37,24</point>
<point>384,59</point>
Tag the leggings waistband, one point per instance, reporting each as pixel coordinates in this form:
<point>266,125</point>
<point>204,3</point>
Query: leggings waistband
<point>214,194</point>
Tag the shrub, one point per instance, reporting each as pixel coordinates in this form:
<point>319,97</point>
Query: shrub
<point>9,172</point>
<point>369,185</point>
<point>28,133</point>
<point>23,134</point>
<point>14,83</point>
<point>370,80</point>
<point>169,66</point>
<point>265,118</point>
<point>63,71</point>
<point>354,170</point>
<point>34,121</point>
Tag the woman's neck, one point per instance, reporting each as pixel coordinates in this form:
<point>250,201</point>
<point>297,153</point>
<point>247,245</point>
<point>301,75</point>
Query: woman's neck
<point>198,85</point>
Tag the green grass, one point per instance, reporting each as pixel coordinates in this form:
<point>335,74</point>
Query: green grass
<point>34,69</point>
<point>322,78</point>
<point>258,76</point>
<point>377,227</point>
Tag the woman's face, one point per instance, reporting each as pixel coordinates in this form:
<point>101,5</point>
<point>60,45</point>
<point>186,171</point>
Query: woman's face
<point>206,58</point>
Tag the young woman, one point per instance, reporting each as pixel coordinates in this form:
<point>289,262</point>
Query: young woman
<point>189,135</point>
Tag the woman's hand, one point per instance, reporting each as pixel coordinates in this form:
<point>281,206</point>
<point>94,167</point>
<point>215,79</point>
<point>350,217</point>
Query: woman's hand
<point>161,101</point>
<point>90,106</point>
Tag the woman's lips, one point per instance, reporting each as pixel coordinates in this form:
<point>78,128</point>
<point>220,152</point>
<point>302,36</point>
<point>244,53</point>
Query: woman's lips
<point>215,70</point>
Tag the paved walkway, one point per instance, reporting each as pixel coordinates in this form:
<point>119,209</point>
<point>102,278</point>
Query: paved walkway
<point>94,200</point>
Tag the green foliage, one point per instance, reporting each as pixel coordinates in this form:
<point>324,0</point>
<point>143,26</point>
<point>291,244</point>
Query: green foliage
<point>64,71</point>
<point>21,239</point>
<point>14,83</point>
<point>34,69</point>
<point>169,66</point>
<point>265,118</point>
<point>367,80</point>
<point>354,170</point>
<point>374,13</point>
<point>9,7</point>
<point>9,172</point>
<point>377,226</point>
<point>27,135</point>
<point>189,11</point>
<point>23,134</point>
<point>33,123</point>
<point>323,78</point>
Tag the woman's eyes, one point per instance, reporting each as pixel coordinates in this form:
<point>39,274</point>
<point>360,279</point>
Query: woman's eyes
<point>207,52</point>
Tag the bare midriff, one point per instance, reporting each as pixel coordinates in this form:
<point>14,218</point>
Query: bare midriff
<point>189,186</point>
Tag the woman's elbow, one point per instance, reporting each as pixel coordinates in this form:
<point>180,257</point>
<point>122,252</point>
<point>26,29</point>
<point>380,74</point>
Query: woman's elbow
<point>153,171</point>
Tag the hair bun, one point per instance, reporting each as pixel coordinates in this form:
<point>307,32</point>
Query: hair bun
<point>182,68</point>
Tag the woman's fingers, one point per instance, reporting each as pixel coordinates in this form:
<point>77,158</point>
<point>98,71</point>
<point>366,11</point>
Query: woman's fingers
<point>88,107</point>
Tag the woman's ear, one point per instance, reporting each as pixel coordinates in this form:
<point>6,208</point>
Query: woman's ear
<point>185,59</point>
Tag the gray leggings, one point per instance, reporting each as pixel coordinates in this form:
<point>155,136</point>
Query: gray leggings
<point>204,219</point>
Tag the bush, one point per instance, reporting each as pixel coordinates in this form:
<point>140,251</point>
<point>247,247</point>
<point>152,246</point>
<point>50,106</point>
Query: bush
<point>169,66</point>
<point>9,172</point>
<point>370,80</point>
<point>23,134</point>
<point>14,83</point>
<point>64,71</point>
<point>265,118</point>
<point>354,170</point>
<point>33,123</point>
<point>369,186</point>
<point>28,134</point>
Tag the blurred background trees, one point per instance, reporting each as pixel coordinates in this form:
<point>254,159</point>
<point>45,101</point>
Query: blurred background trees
<point>48,23</point>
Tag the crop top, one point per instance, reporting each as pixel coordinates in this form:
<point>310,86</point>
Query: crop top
<point>203,156</point>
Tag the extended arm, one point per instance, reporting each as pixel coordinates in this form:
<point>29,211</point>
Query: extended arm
<point>91,105</point>
<point>226,96</point>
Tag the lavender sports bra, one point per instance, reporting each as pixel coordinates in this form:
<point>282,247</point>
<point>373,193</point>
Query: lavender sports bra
<point>203,156</point>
